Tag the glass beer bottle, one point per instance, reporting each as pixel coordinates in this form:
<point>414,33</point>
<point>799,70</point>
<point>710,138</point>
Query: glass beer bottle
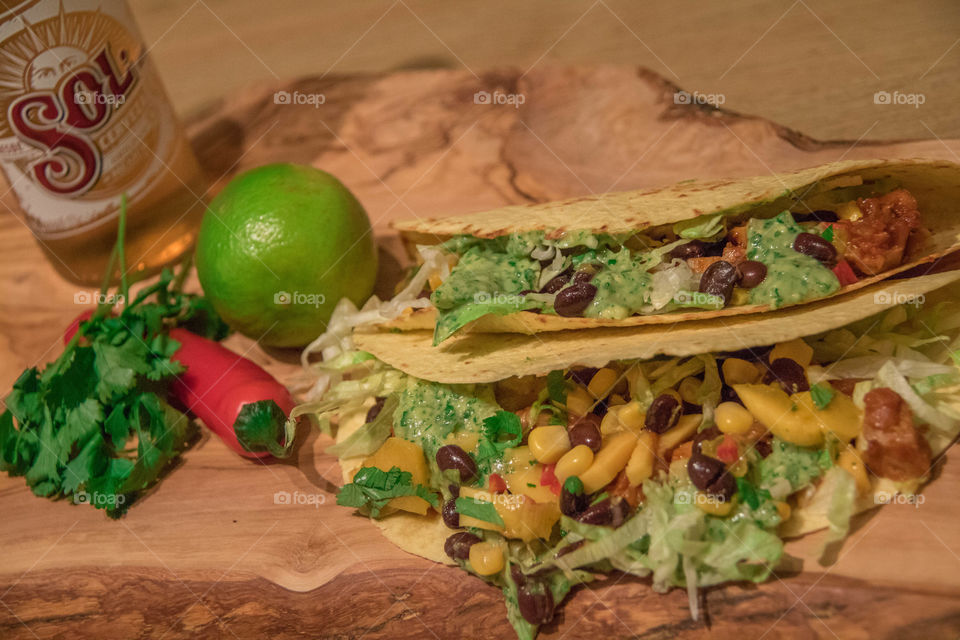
<point>85,119</point>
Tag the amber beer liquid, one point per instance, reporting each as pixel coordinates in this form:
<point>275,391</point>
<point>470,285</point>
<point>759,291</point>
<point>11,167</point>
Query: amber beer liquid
<point>84,120</point>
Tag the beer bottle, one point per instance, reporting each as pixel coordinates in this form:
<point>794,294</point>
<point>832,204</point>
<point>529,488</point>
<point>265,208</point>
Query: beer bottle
<point>84,120</point>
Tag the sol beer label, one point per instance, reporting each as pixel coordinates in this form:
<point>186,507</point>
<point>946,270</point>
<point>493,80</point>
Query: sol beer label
<point>85,115</point>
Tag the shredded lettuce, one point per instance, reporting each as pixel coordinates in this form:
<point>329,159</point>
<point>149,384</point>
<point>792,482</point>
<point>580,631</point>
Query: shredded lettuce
<point>890,376</point>
<point>701,227</point>
<point>843,505</point>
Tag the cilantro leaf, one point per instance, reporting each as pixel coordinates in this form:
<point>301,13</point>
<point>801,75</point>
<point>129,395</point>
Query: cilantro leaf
<point>750,494</point>
<point>373,488</point>
<point>821,394</point>
<point>479,509</point>
<point>557,386</point>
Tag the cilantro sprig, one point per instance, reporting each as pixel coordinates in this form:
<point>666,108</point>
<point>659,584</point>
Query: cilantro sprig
<point>500,431</point>
<point>373,488</point>
<point>94,424</point>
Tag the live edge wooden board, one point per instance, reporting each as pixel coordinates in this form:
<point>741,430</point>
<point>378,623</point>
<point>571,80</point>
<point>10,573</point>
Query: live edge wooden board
<point>212,553</point>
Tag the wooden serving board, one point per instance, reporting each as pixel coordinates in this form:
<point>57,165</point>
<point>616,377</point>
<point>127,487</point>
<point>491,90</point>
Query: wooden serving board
<point>213,552</point>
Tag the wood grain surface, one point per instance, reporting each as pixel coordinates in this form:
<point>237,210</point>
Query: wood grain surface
<point>225,547</point>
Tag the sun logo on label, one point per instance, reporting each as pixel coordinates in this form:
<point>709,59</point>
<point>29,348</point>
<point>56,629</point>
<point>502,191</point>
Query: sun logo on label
<point>61,82</point>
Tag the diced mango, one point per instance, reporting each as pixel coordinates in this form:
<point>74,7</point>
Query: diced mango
<point>397,452</point>
<point>413,504</point>
<point>841,416</point>
<point>520,480</point>
<point>609,461</point>
<point>797,350</point>
<point>686,426</point>
<point>778,412</point>
<point>525,519</point>
<point>642,460</point>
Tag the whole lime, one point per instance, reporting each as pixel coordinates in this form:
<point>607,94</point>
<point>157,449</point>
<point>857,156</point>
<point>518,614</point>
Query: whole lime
<point>278,247</point>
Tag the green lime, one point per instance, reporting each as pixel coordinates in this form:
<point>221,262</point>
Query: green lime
<point>279,247</point>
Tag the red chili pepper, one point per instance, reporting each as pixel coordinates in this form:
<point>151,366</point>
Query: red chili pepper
<point>727,451</point>
<point>497,483</point>
<point>548,478</point>
<point>233,396</point>
<point>844,273</point>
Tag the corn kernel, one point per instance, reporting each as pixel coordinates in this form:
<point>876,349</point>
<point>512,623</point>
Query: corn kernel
<point>739,371</point>
<point>689,388</point>
<point>602,383</point>
<point>640,465</point>
<point>548,443</point>
<point>732,417</point>
<point>797,350</point>
<point>573,462</point>
<point>850,461</point>
<point>579,401</point>
<point>739,468</point>
<point>486,558</point>
<point>632,416</point>
<point>711,505</point>
<point>609,461</point>
<point>784,510</point>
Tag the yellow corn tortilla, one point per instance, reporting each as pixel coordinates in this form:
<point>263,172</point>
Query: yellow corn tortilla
<point>488,358</point>
<point>935,185</point>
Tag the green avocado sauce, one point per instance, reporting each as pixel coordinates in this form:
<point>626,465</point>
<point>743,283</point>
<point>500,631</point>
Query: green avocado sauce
<point>485,276</point>
<point>428,413</point>
<point>792,277</point>
<point>623,285</point>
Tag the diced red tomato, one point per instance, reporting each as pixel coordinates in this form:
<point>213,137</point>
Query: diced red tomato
<point>497,483</point>
<point>844,273</point>
<point>727,451</point>
<point>549,479</point>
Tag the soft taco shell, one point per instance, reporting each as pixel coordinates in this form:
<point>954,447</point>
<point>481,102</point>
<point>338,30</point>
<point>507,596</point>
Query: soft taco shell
<point>935,185</point>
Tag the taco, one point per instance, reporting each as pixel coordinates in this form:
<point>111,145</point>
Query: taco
<point>690,470</point>
<point>693,250</point>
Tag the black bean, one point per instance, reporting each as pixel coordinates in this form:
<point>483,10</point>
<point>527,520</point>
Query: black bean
<point>556,283</point>
<point>820,215</point>
<point>583,375</point>
<point>572,504</point>
<point>584,275</point>
<point>453,457</point>
<point>571,302</point>
<point>689,408</point>
<point>458,545</point>
<point>535,601</point>
<point>621,512</point>
<point>599,513</point>
<point>586,431</point>
<point>663,413</point>
<point>752,273</point>
<point>712,249</point>
<point>375,410</point>
<point>789,374</point>
<point>692,249</point>
<point>719,280</point>
<point>816,247</point>
<point>728,394</point>
<point>703,470</point>
<point>707,434</point>
<point>451,517</point>
<point>723,487</point>
<point>454,490</point>
<point>763,447</point>
<point>516,573</point>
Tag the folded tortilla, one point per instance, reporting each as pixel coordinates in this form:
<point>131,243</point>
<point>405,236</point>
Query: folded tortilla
<point>490,358</point>
<point>934,184</point>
